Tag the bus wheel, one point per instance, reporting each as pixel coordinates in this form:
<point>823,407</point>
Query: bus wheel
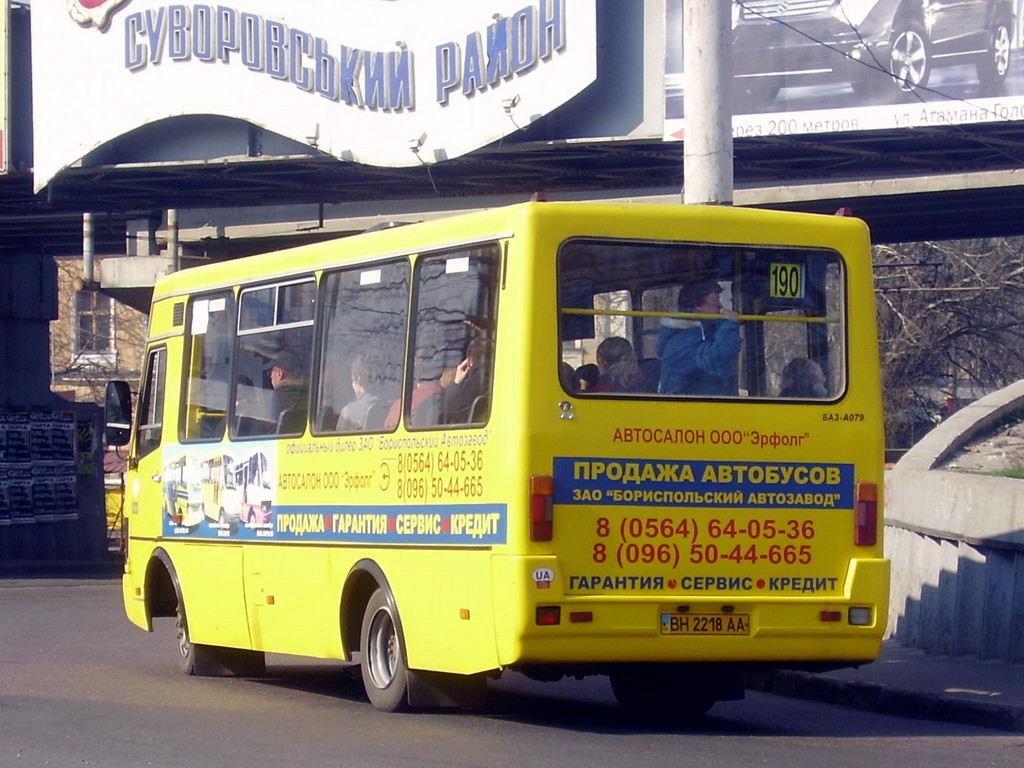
<point>661,697</point>
<point>186,648</point>
<point>385,675</point>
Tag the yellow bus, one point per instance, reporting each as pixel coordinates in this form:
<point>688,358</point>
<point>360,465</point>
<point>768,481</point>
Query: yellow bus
<point>639,441</point>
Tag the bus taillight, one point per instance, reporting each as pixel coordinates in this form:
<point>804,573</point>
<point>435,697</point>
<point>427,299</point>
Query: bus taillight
<point>542,488</point>
<point>865,533</point>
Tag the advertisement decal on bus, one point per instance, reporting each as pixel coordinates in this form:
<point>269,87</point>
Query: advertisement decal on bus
<point>217,496</point>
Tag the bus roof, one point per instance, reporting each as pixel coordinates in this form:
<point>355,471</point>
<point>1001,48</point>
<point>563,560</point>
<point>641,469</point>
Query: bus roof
<point>719,224</point>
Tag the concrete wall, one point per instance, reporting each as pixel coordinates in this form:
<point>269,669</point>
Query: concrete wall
<point>956,542</point>
<point>38,522</point>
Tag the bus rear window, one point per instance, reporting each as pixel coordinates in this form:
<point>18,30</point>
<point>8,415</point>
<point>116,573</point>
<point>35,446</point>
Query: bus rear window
<point>693,320</point>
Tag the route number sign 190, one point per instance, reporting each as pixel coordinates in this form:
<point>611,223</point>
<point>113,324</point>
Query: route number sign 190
<point>786,280</point>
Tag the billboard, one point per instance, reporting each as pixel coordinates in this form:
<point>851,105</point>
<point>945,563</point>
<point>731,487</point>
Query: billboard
<point>382,82</point>
<point>828,66</point>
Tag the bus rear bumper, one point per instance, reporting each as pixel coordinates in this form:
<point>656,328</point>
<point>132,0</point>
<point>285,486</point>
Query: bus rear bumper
<point>817,630</point>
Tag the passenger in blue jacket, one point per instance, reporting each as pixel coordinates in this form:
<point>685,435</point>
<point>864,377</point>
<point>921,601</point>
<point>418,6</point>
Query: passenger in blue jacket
<point>698,356</point>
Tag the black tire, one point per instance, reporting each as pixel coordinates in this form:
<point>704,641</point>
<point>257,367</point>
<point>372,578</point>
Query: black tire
<point>995,63</point>
<point>186,648</point>
<point>384,670</point>
<point>660,696</point>
<point>910,57</point>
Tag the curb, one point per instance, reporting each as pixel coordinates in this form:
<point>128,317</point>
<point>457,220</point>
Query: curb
<point>877,697</point>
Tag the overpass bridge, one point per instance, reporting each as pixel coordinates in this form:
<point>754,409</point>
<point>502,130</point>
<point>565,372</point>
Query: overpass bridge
<point>950,182</point>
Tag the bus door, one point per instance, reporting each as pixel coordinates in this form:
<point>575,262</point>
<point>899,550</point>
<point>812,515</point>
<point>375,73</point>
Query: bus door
<point>153,490</point>
<point>148,491</point>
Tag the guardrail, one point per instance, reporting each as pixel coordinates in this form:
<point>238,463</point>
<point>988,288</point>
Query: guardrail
<point>956,542</point>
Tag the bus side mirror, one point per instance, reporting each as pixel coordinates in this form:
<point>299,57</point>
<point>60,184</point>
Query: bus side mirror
<point>117,405</point>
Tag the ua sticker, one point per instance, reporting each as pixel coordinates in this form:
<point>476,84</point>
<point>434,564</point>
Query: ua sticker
<point>543,577</point>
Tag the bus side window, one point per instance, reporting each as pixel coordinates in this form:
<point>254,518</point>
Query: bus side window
<point>274,346</point>
<point>210,342</point>
<point>454,331</point>
<point>150,420</point>
<point>362,338</point>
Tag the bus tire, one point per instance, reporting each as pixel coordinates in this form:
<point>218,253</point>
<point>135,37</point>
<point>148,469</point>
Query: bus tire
<point>186,648</point>
<point>384,670</point>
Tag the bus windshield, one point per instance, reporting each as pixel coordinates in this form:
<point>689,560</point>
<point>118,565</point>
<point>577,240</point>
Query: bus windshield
<point>669,320</point>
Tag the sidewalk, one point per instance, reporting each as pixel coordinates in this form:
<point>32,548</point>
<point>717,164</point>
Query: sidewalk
<point>910,683</point>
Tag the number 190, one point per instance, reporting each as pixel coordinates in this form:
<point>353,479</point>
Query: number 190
<point>787,281</point>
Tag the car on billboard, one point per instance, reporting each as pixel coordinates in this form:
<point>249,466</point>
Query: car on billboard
<point>870,45</point>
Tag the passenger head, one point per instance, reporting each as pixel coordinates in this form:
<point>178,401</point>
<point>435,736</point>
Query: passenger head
<point>701,296</point>
<point>802,378</point>
<point>285,365</point>
<point>479,352</point>
<point>364,374</point>
<point>616,360</point>
<point>587,376</point>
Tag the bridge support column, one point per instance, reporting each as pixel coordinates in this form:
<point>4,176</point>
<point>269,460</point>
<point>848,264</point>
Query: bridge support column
<point>51,464</point>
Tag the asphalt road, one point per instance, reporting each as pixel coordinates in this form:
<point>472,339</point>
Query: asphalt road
<point>80,686</point>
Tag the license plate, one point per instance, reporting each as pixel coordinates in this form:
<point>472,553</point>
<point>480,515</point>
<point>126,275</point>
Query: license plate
<point>705,624</point>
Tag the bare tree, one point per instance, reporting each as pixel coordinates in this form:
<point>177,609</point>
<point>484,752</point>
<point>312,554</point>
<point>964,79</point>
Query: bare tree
<point>951,327</point>
<point>77,370</point>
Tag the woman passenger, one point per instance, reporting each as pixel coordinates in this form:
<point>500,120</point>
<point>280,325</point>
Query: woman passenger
<point>619,369</point>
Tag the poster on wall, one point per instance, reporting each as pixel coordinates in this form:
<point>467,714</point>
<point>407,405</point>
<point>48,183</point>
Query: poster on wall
<point>833,66</point>
<point>53,465</point>
<point>19,495</point>
<point>381,82</point>
<point>38,479</point>
<point>15,438</point>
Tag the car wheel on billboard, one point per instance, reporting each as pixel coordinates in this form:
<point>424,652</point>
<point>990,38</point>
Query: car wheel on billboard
<point>995,63</point>
<point>910,56</point>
